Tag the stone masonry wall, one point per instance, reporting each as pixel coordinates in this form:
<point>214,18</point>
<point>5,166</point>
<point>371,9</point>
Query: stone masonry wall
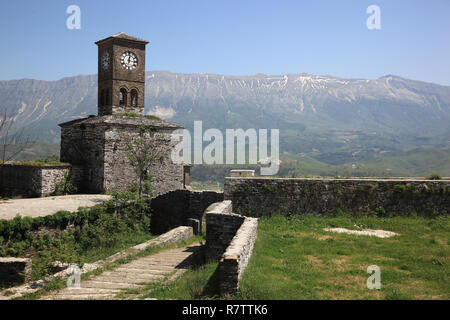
<point>167,176</point>
<point>230,238</point>
<point>175,208</point>
<point>267,196</point>
<point>30,180</point>
<point>221,227</point>
<point>50,177</point>
<point>236,257</point>
<point>82,146</point>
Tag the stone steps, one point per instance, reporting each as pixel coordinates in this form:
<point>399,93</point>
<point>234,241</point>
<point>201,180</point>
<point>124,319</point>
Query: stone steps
<point>136,279</point>
<point>80,297</point>
<point>139,273</point>
<point>150,269</point>
<point>102,284</point>
<point>82,291</point>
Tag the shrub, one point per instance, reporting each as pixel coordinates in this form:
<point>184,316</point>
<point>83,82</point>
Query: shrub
<point>399,188</point>
<point>74,234</point>
<point>435,176</point>
<point>381,212</point>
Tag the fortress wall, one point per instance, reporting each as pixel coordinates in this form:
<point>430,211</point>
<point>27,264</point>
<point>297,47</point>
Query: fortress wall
<point>230,238</point>
<point>180,208</point>
<point>221,227</point>
<point>236,257</point>
<point>30,180</point>
<point>258,197</point>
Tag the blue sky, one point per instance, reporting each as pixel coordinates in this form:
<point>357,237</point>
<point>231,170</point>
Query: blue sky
<point>232,37</point>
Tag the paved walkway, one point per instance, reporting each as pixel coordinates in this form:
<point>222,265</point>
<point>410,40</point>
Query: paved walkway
<point>133,275</point>
<point>38,207</point>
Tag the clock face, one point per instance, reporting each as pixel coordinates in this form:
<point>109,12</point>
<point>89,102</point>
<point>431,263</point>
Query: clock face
<point>129,60</point>
<point>105,61</point>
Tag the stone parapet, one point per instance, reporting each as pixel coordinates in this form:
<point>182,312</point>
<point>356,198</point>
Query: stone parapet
<point>236,257</point>
<point>257,197</point>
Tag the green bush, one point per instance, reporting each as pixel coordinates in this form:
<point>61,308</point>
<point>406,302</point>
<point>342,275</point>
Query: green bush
<point>120,215</point>
<point>435,176</point>
<point>399,188</point>
<point>75,236</point>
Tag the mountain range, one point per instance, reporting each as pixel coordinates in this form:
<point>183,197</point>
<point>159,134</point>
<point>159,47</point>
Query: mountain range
<point>330,119</point>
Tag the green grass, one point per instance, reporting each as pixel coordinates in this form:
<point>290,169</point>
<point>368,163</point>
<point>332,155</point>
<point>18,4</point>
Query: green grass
<point>206,187</point>
<point>51,160</point>
<point>296,259</point>
<point>199,282</point>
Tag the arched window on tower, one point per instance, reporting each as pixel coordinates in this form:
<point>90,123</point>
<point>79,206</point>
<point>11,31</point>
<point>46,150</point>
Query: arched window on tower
<point>123,97</point>
<point>134,97</point>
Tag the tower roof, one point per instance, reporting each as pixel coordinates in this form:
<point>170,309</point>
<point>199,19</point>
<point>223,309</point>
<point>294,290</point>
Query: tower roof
<point>133,121</point>
<point>124,36</point>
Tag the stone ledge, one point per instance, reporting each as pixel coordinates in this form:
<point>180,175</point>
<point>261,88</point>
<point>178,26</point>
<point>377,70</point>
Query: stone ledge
<point>224,207</point>
<point>221,227</point>
<point>236,257</point>
<point>324,197</point>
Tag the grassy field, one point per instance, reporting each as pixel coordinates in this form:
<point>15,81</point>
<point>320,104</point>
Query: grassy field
<point>296,259</point>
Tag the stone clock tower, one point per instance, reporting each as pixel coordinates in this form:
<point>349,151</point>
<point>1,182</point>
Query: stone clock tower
<point>96,146</point>
<point>121,74</point>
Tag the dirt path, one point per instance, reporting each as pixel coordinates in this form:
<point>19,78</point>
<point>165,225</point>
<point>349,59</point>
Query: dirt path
<point>134,275</point>
<point>38,207</point>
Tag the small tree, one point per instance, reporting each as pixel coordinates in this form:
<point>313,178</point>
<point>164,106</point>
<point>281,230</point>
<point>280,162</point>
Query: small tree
<point>144,151</point>
<point>9,138</point>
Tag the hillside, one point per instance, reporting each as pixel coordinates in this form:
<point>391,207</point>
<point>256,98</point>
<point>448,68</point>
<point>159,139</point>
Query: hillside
<point>332,120</point>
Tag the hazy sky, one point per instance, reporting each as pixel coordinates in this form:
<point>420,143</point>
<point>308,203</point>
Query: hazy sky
<point>232,37</point>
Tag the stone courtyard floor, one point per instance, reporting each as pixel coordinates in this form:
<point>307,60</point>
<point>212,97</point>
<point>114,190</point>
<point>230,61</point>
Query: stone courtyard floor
<point>38,207</point>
